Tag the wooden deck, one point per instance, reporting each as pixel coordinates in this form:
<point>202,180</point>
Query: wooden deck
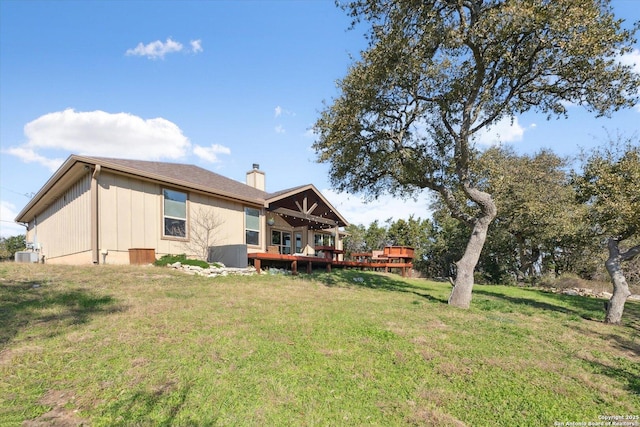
<point>295,261</point>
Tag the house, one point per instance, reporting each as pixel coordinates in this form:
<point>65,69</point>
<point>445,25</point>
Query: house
<point>103,210</point>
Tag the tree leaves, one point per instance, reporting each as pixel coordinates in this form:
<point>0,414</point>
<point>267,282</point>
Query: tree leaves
<point>437,72</point>
<point>610,186</point>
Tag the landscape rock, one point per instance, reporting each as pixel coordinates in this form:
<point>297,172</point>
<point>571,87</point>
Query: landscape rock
<point>275,271</point>
<point>584,292</point>
<point>214,270</point>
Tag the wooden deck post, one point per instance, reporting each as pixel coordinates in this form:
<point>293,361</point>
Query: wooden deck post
<point>256,264</point>
<point>309,267</point>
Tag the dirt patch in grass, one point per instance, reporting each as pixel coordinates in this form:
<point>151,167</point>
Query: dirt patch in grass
<point>455,369</point>
<point>60,415</point>
<point>433,417</point>
<point>8,354</point>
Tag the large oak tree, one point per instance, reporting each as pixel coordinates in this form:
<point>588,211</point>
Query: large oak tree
<point>610,187</point>
<point>438,72</point>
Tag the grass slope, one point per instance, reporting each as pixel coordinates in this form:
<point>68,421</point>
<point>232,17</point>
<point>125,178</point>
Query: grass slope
<point>148,346</point>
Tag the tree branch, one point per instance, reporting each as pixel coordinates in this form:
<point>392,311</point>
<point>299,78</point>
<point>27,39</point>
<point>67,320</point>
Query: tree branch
<point>630,254</point>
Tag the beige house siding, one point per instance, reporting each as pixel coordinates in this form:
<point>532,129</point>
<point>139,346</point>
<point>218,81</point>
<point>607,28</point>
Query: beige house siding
<point>95,210</point>
<point>129,215</point>
<point>130,212</point>
<point>228,214</point>
<point>63,229</point>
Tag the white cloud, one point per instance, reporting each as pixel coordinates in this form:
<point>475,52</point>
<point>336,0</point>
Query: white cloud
<point>632,59</point>
<point>28,155</point>
<point>279,111</point>
<point>158,49</point>
<point>504,131</point>
<point>97,133</point>
<point>210,154</point>
<point>358,211</point>
<point>279,129</point>
<point>8,213</point>
<point>196,46</point>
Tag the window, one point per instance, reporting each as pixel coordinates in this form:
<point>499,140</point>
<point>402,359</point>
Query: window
<point>282,239</point>
<point>324,240</point>
<point>175,213</point>
<point>252,226</point>
<point>298,242</point>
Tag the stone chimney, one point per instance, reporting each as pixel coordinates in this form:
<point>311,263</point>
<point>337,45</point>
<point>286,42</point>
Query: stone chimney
<point>255,178</point>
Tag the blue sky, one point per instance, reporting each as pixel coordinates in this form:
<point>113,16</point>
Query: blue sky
<point>219,84</point>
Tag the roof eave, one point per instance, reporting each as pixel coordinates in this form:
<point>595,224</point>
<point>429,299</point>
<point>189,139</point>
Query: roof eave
<point>300,189</point>
<point>24,216</point>
<point>178,183</point>
<point>46,188</point>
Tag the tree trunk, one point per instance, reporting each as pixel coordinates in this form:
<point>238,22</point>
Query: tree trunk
<point>621,292</point>
<point>463,285</point>
<point>527,260</point>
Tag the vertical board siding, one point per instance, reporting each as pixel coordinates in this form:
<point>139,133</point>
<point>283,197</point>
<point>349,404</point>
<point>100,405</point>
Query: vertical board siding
<point>64,227</point>
<point>107,212</point>
<point>131,216</point>
<point>130,213</point>
<point>229,214</point>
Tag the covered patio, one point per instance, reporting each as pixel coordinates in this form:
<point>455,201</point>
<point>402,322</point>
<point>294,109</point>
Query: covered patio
<point>301,222</point>
<point>304,231</point>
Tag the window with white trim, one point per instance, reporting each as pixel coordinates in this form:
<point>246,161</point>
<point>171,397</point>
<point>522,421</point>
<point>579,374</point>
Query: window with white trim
<point>252,226</point>
<point>174,213</point>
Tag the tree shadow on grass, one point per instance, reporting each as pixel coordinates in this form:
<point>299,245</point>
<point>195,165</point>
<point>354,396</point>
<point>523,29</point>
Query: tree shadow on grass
<point>162,405</point>
<point>588,308</point>
<point>584,307</point>
<point>378,281</point>
<point>28,303</point>
<point>625,371</point>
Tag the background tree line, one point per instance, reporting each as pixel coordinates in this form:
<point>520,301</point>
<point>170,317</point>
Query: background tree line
<point>10,245</point>
<point>551,220</point>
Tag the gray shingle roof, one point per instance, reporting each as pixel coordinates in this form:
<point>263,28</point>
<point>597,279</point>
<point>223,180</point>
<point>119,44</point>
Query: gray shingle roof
<point>176,174</point>
<point>184,174</point>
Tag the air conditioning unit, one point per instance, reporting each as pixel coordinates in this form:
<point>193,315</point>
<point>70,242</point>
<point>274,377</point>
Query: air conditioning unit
<point>230,255</point>
<point>26,256</point>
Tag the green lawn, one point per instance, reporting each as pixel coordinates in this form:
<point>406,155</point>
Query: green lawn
<point>112,345</point>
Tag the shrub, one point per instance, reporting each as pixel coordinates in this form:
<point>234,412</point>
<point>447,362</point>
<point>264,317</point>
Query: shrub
<point>182,258</point>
